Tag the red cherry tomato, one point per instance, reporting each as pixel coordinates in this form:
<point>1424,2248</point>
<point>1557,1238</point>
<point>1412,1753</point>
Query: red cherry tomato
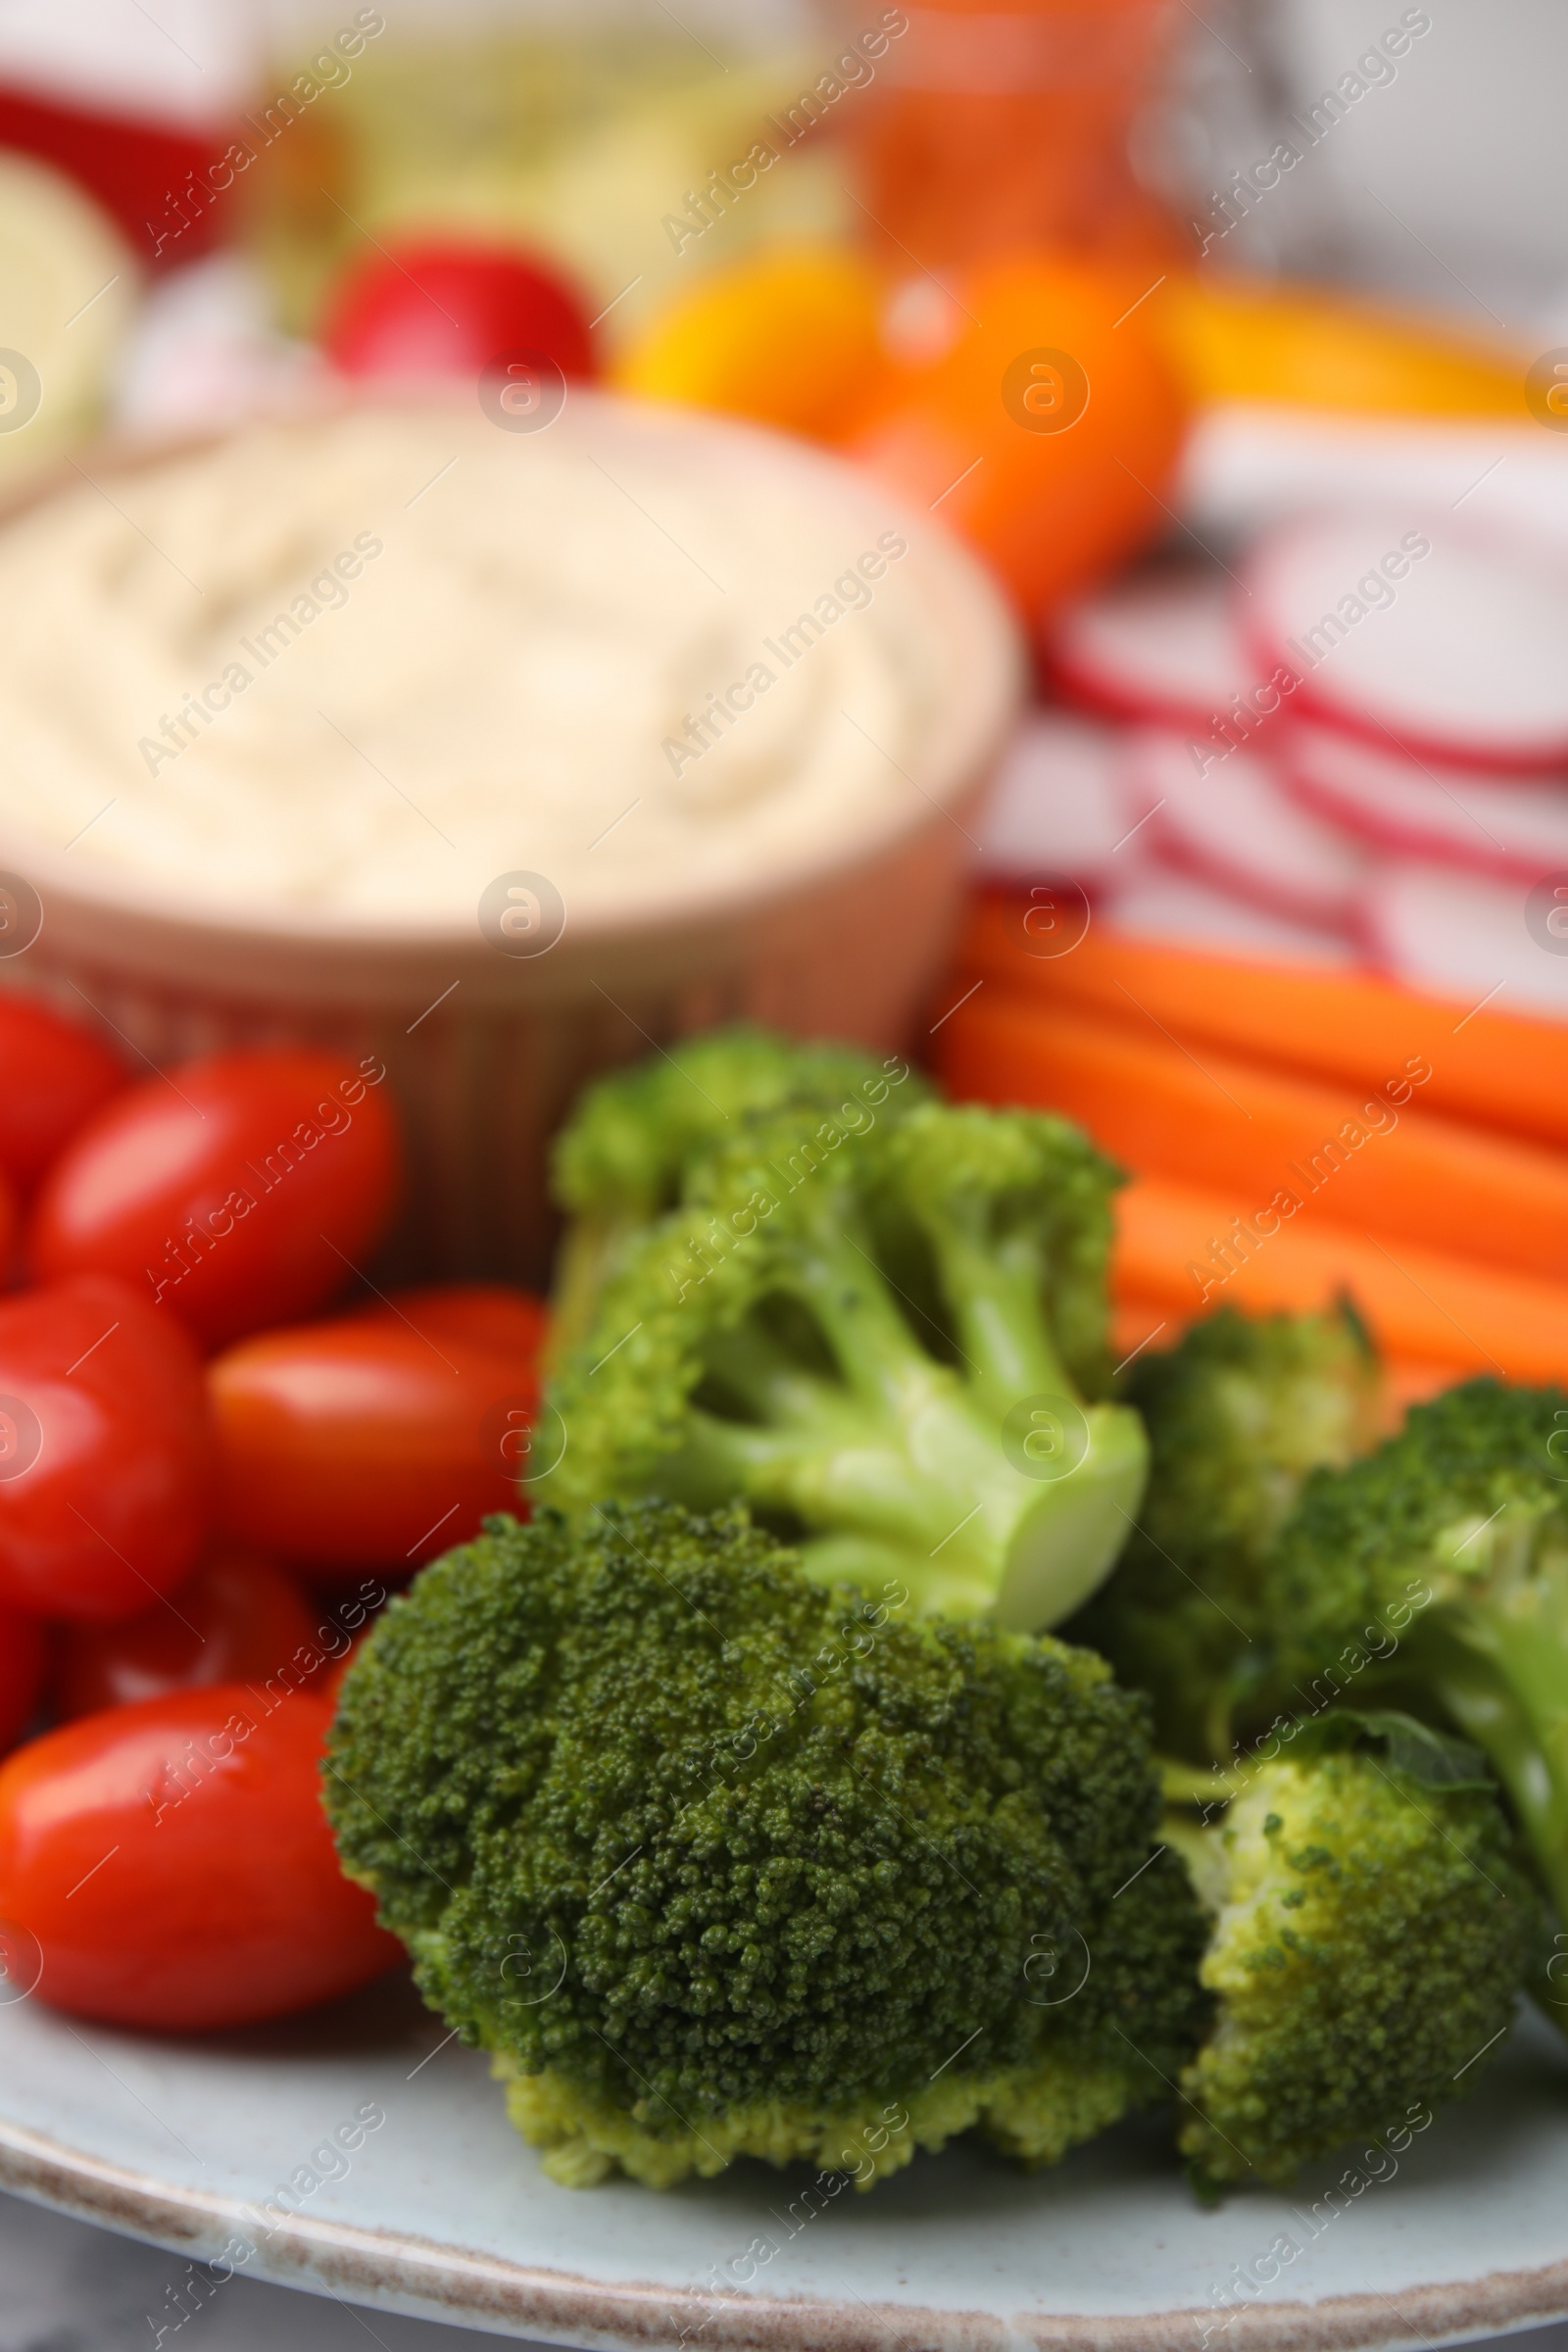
<point>492,1315</point>
<point>364,1441</point>
<point>238,1191</point>
<point>168,1865</point>
<point>22,1669</point>
<point>8,1231</point>
<point>105,1451</point>
<point>53,1075</point>
<point>237,1620</point>
<point>448,307</point>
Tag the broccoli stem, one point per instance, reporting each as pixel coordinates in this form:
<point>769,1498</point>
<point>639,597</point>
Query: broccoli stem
<point>903,1456</point>
<point>1503,1674</point>
<point>994,1291</point>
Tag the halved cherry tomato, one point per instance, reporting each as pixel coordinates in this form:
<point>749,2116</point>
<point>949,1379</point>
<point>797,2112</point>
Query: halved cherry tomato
<point>445,306</point>
<point>364,1441</point>
<point>237,1620</point>
<point>237,1191</point>
<point>492,1315</point>
<point>168,1865</point>
<point>53,1075</point>
<point>105,1451</point>
<point>22,1669</point>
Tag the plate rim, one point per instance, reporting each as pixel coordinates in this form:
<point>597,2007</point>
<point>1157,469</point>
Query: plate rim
<point>464,2286</point>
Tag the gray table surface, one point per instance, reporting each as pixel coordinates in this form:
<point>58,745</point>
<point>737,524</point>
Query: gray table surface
<point>68,2288</point>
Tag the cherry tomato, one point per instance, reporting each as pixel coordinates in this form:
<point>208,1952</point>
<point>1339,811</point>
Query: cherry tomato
<point>492,1315</point>
<point>53,1075</point>
<point>22,1670</point>
<point>105,1451</point>
<point>168,1865</point>
<point>448,305</point>
<point>237,1191</point>
<point>1046,433</point>
<point>237,1620</point>
<point>8,1230</point>
<point>364,1441</point>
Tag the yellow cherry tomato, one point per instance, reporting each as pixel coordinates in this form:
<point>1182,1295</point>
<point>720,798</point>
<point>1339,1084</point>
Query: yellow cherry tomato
<point>787,336</point>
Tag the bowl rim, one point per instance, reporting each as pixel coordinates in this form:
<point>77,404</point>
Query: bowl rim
<point>987,667</point>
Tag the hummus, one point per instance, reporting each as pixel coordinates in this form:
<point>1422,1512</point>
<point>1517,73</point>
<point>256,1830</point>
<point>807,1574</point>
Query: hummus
<point>364,663</point>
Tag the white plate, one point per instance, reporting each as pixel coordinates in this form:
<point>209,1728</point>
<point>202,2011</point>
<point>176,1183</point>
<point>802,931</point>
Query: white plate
<point>445,2214</point>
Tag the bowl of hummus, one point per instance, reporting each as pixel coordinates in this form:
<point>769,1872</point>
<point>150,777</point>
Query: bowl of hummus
<point>496,743</point>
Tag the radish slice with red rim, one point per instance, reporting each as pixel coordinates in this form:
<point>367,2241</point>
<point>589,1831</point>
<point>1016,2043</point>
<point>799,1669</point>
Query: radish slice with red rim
<point>1060,804</point>
<point>1474,819</point>
<point>1163,904</point>
<point>1165,650</point>
<point>1235,825</point>
<point>1471,937</point>
<point>1445,642</point>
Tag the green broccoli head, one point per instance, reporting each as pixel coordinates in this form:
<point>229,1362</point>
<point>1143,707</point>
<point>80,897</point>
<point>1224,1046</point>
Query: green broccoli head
<point>887,1339</point>
<point>716,1862</point>
<point>625,1156</point>
<point>1444,1557</point>
<point>1238,1414</point>
<point>1372,1934</point>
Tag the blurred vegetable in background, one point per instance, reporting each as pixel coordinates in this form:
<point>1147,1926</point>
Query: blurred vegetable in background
<point>22,1669</point>
<point>444,306</point>
<point>236,1619</point>
<point>1046,431</point>
<point>68,288</point>
<point>1247,339</point>
<point>54,1074</point>
<point>788,336</point>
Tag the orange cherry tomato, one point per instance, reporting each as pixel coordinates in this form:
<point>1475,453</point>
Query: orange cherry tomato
<point>237,1620</point>
<point>365,1441</point>
<point>105,1451</point>
<point>54,1074</point>
<point>1047,432</point>
<point>168,1865</point>
<point>235,1192</point>
<point>22,1670</point>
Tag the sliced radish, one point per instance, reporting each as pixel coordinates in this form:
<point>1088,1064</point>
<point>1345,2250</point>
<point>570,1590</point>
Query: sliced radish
<point>1471,817</point>
<point>1060,804</point>
<point>1450,643</point>
<point>1235,825</point>
<point>1162,904</point>
<point>1464,936</point>
<point>1164,650</point>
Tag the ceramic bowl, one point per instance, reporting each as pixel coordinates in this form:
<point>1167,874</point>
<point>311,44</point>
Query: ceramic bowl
<point>486,1048</point>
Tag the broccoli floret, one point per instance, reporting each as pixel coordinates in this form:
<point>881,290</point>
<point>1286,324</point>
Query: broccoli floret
<point>624,1157</point>
<point>717,1863</point>
<point>886,1340</point>
<point>1444,1557</point>
<point>1238,1414</point>
<point>1372,1934</point>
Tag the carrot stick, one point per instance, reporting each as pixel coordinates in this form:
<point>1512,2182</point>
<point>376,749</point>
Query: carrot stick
<point>1276,1144</point>
<point>1503,1069</point>
<point>1422,1304</point>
